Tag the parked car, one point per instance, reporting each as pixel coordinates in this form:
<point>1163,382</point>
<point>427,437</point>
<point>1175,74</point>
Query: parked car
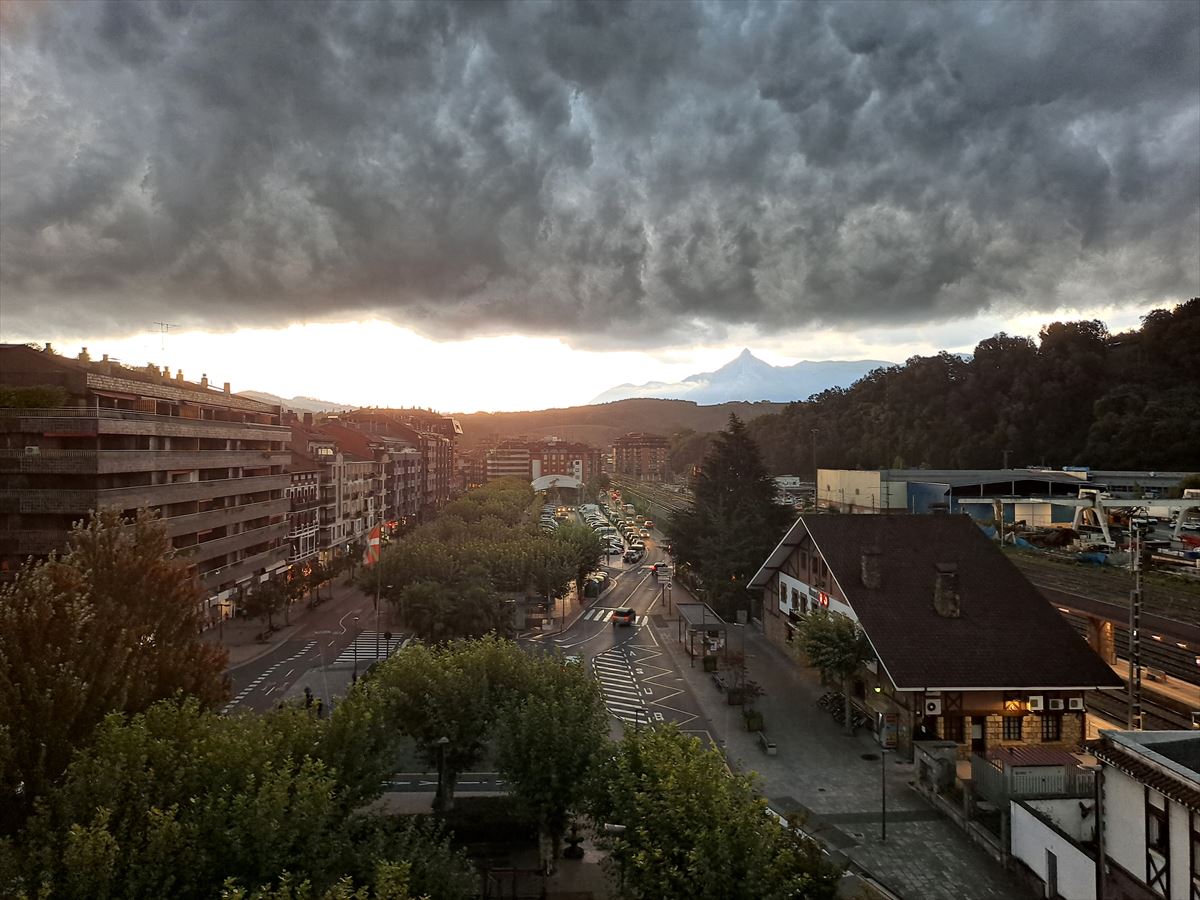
<point>632,555</point>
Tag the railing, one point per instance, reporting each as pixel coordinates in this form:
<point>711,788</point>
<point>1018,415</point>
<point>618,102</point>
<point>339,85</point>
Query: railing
<point>99,412</point>
<point>1001,784</point>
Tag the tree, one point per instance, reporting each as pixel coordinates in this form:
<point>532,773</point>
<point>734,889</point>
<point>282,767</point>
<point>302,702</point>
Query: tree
<point>583,551</point>
<point>733,522</point>
<point>264,600</point>
<point>693,829</point>
<point>453,692</point>
<point>113,624</point>
<point>837,646</point>
<point>179,802</point>
<point>549,740</point>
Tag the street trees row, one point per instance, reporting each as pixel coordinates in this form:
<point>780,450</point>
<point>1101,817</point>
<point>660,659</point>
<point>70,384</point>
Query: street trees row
<point>448,578</point>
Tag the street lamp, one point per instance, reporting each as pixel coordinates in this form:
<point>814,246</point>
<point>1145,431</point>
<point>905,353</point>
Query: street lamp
<point>440,799</point>
<point>883,794</point>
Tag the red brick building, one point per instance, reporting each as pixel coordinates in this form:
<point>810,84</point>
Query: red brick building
<point>641,455</point>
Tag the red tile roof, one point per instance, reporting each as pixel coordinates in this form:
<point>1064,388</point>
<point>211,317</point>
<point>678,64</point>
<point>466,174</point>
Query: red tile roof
<point>1007,635</point>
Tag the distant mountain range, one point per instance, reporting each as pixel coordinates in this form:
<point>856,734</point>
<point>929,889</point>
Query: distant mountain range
<point>749,378</point>
<point>301,404</point>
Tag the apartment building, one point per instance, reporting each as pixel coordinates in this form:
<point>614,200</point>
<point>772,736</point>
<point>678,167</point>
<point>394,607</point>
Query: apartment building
<point>212,463</point>
<point>642,456</point>
<point>530,460</point>
<point>304,520</point>
<point>432,434</point>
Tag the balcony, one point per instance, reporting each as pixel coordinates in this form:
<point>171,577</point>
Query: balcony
<point>91,420</point>
<point>111,462</point>
<point>135,496</point>
<point>227,515</point>
<point>245,568</point>
<point>31,542</point>
<point>233,542</point>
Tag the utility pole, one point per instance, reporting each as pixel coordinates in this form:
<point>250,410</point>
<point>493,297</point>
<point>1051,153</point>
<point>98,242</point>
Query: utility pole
<point>815,479</point>
<point>1134,719</point>
<point>1006,452</point>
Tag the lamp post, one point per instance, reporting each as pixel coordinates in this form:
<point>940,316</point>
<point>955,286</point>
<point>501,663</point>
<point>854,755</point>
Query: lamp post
<point>883,794</point>
<point>440,799</point>
<point>815,477</point>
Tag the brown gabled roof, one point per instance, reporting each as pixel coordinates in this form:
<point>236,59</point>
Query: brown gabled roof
<point>1007,635</point>
<point>301,463</point>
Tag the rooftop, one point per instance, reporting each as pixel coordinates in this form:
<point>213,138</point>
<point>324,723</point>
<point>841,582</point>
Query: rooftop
<point>1006,635</point>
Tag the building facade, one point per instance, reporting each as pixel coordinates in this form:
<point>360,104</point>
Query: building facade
<point>1136,838</point>
<point>966,649</point>
<point>531,460</point>
<point>213,464</point>
<point>642,456</point>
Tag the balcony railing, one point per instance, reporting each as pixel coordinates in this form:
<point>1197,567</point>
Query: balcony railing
<point>90,462</point>
<point>94,412</point>
<point>57,500</point>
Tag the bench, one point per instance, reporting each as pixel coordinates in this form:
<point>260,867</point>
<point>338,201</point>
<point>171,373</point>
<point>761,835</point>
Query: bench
<point>767,744</point>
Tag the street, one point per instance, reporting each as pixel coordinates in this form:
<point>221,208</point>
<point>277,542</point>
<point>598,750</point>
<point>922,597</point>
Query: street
<point>640,683</point>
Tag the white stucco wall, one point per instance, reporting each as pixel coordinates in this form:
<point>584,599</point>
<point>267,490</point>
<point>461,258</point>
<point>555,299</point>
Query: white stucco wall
<point>1125,821</point>
<point>1031,838</point>
<point>1181,873</point>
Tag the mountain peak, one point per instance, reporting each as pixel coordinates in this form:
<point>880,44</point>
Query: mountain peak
<point>746,354</point>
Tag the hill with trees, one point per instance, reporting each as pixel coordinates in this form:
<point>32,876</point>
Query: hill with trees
<point>598,425</point>
<point>1078,395</point>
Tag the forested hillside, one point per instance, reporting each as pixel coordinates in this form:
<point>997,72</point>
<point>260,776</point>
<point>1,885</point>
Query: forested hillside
<point>600,424</point>
<point>1076,396</point>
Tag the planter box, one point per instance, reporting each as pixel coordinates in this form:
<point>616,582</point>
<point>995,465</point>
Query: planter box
<point>710,664</point>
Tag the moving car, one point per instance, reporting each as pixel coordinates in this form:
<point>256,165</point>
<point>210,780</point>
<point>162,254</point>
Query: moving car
<point>624,616</point>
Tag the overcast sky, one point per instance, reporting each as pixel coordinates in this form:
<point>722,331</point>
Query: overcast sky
<point>657,178</point>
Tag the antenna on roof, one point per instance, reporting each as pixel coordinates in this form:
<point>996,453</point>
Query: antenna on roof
<point>163,328</point>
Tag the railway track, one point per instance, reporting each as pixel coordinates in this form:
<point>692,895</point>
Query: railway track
<point>1155,717</point>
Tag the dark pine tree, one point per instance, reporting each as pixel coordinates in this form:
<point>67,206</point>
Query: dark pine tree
<point>734,521</point>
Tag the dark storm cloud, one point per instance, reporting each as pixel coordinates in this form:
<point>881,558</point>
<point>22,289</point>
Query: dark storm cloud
<point>628,172</point>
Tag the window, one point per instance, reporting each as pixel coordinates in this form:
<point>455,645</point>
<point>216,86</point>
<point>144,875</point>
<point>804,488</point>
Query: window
<point>952,728</point>
<point>1157,831</point>
<point>1051,727</point>
<point>1012,728</point>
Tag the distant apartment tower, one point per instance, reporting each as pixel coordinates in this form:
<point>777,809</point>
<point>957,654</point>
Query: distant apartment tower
<point>644,456</point>
<point>212,463</point>
<point>509,459</point>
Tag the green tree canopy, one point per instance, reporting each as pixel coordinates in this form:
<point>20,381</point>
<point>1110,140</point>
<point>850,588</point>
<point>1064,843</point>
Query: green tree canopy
<point>693,829</point>
<point>837,646</point>
<point>112,624</point>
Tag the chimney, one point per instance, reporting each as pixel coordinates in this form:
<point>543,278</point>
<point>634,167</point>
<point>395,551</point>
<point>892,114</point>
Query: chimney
<point>308,419</point>
<point>179,375</point>
<point>47,348</point>
<point>105,358</point>
<point>204,380</point>
<point>84,356</point>
<point>227,387</point>
<point>872,574</point>
<point>945,591</point>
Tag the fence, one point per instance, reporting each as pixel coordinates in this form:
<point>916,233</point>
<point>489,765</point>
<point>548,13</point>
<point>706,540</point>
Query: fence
<point>999,784</point>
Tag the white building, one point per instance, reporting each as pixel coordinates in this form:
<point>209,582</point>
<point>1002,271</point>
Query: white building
<point>1149,810</point>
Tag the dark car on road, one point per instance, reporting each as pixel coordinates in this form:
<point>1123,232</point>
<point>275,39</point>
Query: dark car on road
<point>624,616</point>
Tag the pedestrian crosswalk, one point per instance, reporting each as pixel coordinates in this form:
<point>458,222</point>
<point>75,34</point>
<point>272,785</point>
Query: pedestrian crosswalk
<point>266,673</point>
<point>367,647</point>
<point>623,697</point>
<point>603,615</point>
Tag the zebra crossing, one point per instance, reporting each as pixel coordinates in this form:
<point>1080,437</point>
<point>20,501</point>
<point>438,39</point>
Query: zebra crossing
<point>365,647</point>
<point>603,615</point>
<point>266,673</point>
<point>623,696</point>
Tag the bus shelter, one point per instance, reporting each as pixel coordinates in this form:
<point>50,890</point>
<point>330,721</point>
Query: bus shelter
<point>700,620</point>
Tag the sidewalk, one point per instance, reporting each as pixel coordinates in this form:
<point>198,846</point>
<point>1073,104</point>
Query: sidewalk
<point>833,780</point>
<point>237,635</point>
